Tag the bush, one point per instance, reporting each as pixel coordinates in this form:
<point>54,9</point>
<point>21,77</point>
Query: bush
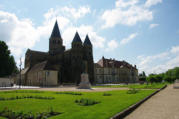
<point>69,93</point>
<point>107,94</point>
<point>132,91</point>
<point>23,91</point>
<point>20,115</point>
<point>26,97</point>
<point>86,102</point>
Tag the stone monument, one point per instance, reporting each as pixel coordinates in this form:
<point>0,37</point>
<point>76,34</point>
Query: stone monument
<point>84,84</point>
<point>176,84</point>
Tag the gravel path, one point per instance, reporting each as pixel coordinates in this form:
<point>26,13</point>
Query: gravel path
<point>67,88</point>
<point>163,105</point>
<point>82,90</point>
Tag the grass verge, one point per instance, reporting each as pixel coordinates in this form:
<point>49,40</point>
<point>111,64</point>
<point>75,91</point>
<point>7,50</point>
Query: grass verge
<point>137,86</point>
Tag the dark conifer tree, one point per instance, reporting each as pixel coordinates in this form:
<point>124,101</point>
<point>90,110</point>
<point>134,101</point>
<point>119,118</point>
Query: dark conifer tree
<point>7,63</point>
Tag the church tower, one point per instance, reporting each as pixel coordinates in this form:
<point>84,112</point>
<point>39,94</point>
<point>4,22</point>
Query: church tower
<point>76,58</point>
<point>56,41</point>
<point>88,57</point>
<point>88,49</point>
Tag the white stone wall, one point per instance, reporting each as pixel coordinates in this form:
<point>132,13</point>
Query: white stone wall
<point>43,78</point>
<point>115,75</point>
<point>5,82</point>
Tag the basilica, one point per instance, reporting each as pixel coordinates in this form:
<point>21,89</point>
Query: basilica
<point>58,65</point>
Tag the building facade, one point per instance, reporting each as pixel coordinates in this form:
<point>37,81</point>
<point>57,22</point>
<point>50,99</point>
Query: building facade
<point>6,82</point>
<point>113,71</point>
<point>68,64</point>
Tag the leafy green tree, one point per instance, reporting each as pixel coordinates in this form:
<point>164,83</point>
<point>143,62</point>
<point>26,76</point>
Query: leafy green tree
<point>169,76</point>
<point>158,78</point>
<point>7,63</point>
<point>151,78</point>
<point>172,74</point>
<point>142,77</point>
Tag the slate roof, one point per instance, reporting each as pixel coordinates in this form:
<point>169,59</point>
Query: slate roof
<point>36,52</point>
<point>87,41</point>
<point>77,38</point>
<point>24,71</point>
<point>39,67</point>
<point>104,62</point>
<point>45,65</point>
<point>56,31</point>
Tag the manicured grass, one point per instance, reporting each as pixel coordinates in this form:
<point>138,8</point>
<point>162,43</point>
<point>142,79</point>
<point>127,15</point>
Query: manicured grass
<point>138,86</point>
<point>65,103</point>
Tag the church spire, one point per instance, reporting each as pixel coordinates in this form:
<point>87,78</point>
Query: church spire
<point>76,38</point>
<point>87,41</point>
<point>56,31</point>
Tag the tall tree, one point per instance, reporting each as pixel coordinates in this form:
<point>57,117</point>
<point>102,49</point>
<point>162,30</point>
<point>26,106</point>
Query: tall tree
<point>142,77</point>
<point>7,63</point>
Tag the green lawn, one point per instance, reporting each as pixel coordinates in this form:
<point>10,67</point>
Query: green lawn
<point>138,86</point>
<point>65,103</point>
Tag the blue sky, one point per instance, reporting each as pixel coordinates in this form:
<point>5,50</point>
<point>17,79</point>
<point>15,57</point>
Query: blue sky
<point>141,32</point>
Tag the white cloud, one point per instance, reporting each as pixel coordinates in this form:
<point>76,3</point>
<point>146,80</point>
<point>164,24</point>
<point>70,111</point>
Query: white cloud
<point>111,45</point>
<point>153,25</point>
<point>160,62</point>
<point>68,12</point>
<point>127,13</point>
<point>128,39</point>
<point>83,30</point>
<point>150,3</point>
<point>66,16</point>
<point>175,49</point>
<point>18,33</point>
<point>122,4</point>
<point>76,13</point>
<point>21,34</point>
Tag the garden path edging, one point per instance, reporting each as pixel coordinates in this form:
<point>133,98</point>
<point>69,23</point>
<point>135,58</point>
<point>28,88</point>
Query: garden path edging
<point>127,111</point>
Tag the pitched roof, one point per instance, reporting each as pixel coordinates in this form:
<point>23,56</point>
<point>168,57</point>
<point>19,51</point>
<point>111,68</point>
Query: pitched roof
<point>45,65</point>
<point>24,71</point>
<point>38,67</point>
<point>77,38</point>
<point>56,31</point>
<point>103,62</point>
<point>87,41</point>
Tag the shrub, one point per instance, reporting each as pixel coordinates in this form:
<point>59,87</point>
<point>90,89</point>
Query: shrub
<point>20,115</point>
<point>86,102</point>
<point>23,91</point>
<point>107,94</point>
<point>69,93</point>
<point>132,91</point>
<point>26,97</point>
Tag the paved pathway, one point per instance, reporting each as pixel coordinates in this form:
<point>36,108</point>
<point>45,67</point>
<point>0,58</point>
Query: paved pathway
<point>163,105</point>
<point>64,88</point>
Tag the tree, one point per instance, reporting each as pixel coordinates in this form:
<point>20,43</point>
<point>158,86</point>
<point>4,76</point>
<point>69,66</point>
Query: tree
<point>158,78</point>
<point>7,63</point>
<point>151,78</point>
<point>142,77</point>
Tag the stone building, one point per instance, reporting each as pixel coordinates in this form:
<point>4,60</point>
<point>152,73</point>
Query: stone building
<point>63,66</point>
<point>113,71</point>
<point>6,82</point>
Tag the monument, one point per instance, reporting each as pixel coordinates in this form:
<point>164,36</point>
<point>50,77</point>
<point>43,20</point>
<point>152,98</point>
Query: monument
<point>176,84</point>
<point>84,84</point>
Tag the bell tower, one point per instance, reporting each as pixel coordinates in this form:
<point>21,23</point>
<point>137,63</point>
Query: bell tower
<point>56,41</point>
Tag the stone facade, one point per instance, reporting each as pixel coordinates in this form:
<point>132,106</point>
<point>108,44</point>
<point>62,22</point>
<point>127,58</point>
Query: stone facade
<point>113,71</point>
<point>5,82</point>
<point>68,63</point>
